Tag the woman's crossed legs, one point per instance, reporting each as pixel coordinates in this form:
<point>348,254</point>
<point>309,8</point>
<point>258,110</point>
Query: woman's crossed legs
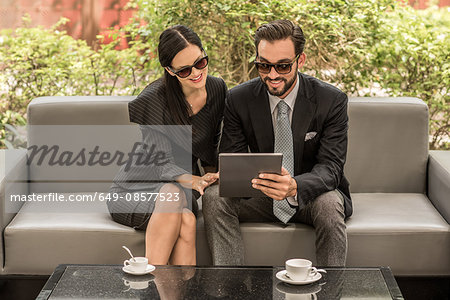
<point>171,230</point>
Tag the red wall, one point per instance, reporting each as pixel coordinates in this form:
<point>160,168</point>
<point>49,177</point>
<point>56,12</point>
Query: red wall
<point>422,4</point>
<point>89,17</point>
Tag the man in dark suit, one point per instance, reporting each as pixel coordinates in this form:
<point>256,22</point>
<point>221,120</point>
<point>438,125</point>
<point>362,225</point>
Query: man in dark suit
<point>306,120</point>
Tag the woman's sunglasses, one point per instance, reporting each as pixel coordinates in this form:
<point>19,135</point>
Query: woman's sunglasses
<point>201,63</point>
<point>285,68</point>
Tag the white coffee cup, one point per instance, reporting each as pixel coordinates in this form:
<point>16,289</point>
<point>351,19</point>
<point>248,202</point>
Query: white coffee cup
<point>137,264</point>
<point>299,269</point>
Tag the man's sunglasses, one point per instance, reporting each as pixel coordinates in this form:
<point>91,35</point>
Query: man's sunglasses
<point>201,63</point>
<point>285,68</point>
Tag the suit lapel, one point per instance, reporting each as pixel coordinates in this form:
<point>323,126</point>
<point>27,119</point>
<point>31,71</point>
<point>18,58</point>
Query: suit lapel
<point>261,118</point>
<point>302,115</point>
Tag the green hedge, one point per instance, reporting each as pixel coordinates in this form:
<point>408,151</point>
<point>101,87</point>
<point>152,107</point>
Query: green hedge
<point>365,47</point>
<point>412,59</point>
<point>37,62</point>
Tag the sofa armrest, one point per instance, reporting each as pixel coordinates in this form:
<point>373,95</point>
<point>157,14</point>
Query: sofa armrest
<point>439,182</point>
<point>13,177</point>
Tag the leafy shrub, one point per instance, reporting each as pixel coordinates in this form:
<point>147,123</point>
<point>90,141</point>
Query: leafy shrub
<point>412,59</point>
<point>37,62</point>
<point>366,47</point>
<point>338,32</point>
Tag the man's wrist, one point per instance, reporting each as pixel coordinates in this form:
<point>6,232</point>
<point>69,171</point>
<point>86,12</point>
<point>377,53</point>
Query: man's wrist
<point>293,188</point>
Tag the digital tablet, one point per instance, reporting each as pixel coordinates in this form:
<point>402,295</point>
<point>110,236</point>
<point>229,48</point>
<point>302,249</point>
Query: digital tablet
<point>238,169</point>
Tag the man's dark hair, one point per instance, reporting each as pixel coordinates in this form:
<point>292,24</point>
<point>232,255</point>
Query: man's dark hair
<point>281,30</point>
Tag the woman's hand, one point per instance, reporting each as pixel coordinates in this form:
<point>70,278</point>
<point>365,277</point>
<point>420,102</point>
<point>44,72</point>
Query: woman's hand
<point>201,183</point>
<point>196,182</point>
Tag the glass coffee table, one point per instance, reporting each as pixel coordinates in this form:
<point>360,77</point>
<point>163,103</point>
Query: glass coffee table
<point>175,282</point>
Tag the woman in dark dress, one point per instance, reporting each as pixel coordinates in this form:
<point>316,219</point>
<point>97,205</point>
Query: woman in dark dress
<point>186,95</point>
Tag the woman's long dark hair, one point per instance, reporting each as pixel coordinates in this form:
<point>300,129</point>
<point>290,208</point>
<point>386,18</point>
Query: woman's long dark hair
<point>171,41</point>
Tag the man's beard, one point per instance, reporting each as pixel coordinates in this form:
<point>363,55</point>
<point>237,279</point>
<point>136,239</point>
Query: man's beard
<point>287,85</point>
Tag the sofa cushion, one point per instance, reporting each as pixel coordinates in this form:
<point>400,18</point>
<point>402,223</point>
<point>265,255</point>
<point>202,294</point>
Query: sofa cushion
<point>74,123</point>
<point>387,145</point>
<point>43,235</point>
<point>37,241</point>
<point>403,231</point>
<point>384,228</point>
<point>79,110</point>
<point>80,170</point>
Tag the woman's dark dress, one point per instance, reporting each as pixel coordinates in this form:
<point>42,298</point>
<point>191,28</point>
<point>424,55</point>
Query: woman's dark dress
<point>149,108</point>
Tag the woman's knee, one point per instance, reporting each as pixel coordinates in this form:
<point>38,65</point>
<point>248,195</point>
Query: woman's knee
<point>188,219</point>
<point>188,226</point>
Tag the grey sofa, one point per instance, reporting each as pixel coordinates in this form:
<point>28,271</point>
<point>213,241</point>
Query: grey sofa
<point>400,191</point>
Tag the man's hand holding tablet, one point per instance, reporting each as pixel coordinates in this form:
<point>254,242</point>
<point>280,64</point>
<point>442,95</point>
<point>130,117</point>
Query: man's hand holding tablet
<point>275,186</point>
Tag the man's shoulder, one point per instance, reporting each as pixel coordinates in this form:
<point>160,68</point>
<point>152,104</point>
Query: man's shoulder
<point>240,95</point>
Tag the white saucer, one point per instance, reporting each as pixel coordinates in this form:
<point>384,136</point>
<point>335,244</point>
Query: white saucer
<point>282,276</point>
<point>149,269</point>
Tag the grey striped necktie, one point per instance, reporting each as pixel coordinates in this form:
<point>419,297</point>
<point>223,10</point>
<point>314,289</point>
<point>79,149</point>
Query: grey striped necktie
<point>284,144</point>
